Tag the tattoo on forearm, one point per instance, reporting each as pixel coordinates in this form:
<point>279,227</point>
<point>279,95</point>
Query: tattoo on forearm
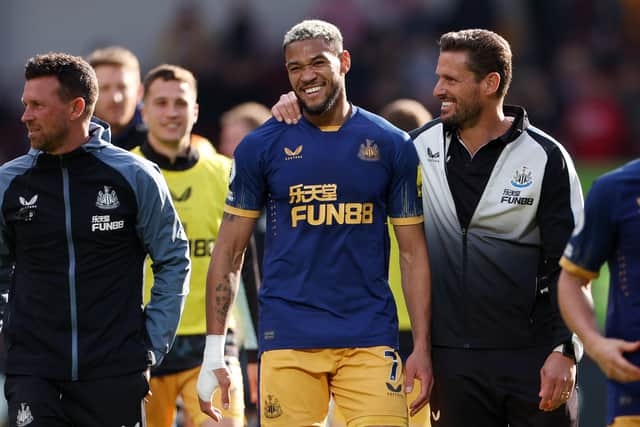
<point>223,299</point>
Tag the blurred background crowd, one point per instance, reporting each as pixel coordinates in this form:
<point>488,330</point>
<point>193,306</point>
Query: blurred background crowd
<point>576,64</point>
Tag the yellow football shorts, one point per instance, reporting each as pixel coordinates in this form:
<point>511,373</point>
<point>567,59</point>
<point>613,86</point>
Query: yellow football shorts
<point>626,421</point>
<point>366,384</point>
<point>165,389</point>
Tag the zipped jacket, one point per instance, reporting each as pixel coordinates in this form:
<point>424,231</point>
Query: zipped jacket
<point>494,280</point>
<point>74,232</point>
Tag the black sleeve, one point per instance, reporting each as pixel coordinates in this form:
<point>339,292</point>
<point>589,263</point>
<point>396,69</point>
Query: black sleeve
<point>556,221</point>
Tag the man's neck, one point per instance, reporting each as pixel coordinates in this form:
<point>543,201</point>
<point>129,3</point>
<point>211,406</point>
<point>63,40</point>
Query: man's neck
<point>170,150</point>
<point>336,116</point>
<point>78,135</point>
<point>489,126</point>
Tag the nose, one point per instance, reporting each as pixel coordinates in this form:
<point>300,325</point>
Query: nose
<point>118,96</point>
<point>26,115</point>
<point>308,74</point>
<point>437,89</point>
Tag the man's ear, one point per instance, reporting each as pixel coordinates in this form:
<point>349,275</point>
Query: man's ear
<point>77,108</point>
<point>490,83</point>
<point>345,61</point>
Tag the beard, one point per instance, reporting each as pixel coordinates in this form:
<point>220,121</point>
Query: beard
<point>327,105</point>
<point>52,140</point>
<point>466,114</point>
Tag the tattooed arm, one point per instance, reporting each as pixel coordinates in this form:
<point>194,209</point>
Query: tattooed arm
<point>223,277</point>
<point>222,284</point>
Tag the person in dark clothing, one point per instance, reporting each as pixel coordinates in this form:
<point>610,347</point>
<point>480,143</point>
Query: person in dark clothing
<point>78,216</point>
<point>501,198</point>
<point>118,72</point>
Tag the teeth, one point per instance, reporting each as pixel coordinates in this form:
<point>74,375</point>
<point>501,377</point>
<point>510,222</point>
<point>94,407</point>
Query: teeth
<point>447,103</point>
<point>312,90</point>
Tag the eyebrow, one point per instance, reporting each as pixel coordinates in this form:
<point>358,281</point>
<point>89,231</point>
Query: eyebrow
<point>318,56</point>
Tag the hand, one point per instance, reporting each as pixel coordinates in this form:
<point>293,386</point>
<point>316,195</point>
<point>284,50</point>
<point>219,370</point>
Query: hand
<point>208,382</point>
<point>147,375</point>
<point>608,353</point>
<point>557,381</point>
<point>252,373</point>
<point>287,109</point>
<point>418,367</point>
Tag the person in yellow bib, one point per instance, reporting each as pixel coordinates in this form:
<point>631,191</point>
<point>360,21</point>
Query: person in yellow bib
<point>198,179</point>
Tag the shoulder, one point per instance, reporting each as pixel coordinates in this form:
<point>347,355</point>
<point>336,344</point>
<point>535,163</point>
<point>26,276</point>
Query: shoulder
<point>16,167</point>
<point>379,130</point>
<point>616,179</point>
<point>548,143</point>
<point>136,169</point>
<point>268,132</point>
<point>369,119</point>
<point>431,129</point>
<point>214,160</point>
<point>263,139</point>
<point>19,164</point>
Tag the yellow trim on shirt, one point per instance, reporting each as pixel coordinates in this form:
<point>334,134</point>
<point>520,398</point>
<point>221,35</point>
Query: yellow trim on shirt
<point>407,221</point>
<point>577,270</point>
<point>241,212</point>
<point>331,128</point>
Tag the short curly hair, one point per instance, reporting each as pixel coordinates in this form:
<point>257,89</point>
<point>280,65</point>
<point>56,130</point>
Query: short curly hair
<point>75,75</point>
<point>311,29</point>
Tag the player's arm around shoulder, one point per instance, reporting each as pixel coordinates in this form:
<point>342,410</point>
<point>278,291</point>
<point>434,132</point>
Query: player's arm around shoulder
<point>223,280</point>
<point>416,287</point>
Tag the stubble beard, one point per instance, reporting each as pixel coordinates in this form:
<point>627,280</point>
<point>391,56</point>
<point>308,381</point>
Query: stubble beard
<point>466,115</point>
<point>327,105</point>
<point>51,141</point>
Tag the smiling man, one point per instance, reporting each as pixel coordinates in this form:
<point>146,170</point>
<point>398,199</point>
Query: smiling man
<point>502,198</point>
<point>198,179</point>
<point>328,324</point>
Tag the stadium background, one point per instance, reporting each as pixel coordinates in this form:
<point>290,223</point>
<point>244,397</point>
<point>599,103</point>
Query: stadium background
<point>576,66</point>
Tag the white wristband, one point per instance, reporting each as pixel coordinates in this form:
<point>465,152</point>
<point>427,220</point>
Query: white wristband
<point>213,358</point>
<point>214,352</point>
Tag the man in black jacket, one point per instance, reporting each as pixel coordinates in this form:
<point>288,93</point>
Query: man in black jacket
<point>500,201</point>
<point>78,216</point>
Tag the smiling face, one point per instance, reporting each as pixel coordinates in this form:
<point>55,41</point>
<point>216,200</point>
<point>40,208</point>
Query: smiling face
<point>458,90</point>
<point>316,73</point>
<point>46,116</point>
<point>170,111</point>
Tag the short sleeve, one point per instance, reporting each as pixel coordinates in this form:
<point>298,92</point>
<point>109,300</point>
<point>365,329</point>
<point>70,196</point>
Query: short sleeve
<point>246,183</point>
<point>405,202</point>
<point>595,233</point>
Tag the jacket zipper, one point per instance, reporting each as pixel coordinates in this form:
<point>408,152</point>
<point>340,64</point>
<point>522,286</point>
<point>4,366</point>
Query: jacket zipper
<point>72,276</point>
<point>465,309</point>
